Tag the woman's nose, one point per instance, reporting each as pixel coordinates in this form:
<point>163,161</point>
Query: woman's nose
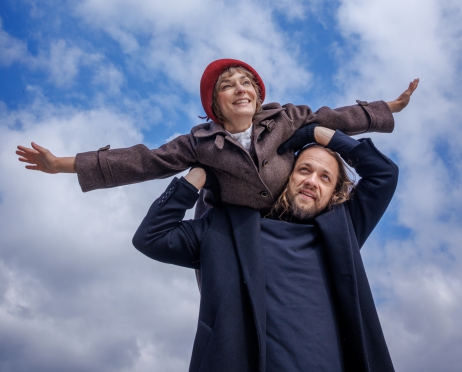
<point>239,88</point>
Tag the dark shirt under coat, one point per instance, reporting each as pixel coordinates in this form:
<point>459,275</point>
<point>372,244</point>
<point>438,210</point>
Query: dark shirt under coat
<point>226,246</point>
<point>301,325</point>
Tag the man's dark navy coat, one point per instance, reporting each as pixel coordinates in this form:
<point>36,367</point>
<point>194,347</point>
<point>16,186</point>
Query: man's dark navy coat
<point>225,246</point>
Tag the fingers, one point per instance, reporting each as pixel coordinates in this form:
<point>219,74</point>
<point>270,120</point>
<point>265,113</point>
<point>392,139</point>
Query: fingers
<point>413,85</point>
<point>33,167</point>
<point>40,149</point>
<point>27,160</point>
<point>28,155</point>
<point>26,150</point>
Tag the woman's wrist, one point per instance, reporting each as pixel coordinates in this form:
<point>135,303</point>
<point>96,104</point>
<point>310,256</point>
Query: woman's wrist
<point>65,165</point>
<point>393,106</point>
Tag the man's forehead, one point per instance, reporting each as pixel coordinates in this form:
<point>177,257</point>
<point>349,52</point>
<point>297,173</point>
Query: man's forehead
<point>318,156</point>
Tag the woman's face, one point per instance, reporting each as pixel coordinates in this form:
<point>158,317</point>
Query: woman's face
<point>237,98</point>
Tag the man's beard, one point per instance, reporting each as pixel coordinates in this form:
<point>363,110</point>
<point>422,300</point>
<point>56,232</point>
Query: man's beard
<point>301,212</point>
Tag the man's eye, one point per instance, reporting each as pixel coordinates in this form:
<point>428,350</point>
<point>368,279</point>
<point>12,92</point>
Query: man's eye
<point>326,177</point>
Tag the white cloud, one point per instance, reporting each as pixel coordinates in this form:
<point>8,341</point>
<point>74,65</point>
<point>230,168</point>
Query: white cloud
<point>109,76</point>
<point>11,49</point>
<point>63,62</point>
<point>417,277</point>
<point>70,280</point>
<point>182,37</point>
<point>74,294</point>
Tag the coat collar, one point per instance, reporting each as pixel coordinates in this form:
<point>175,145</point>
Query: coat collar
<point>247,235</point>
<point>266,113</point>
<point>213,129</point>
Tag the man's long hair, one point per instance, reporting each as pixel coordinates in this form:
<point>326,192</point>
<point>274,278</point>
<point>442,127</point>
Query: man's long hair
<point>343,189</point>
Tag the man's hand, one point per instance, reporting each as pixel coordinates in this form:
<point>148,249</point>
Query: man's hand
<point>402,101</point>
<point>43,160</point>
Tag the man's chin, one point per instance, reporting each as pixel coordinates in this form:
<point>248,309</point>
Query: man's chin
<point>303,212</point>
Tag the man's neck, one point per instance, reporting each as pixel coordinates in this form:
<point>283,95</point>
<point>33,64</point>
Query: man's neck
<point>288,217</point>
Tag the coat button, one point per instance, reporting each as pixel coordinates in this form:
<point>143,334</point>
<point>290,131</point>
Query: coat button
<point>264,194</point>
<point>265,163</point>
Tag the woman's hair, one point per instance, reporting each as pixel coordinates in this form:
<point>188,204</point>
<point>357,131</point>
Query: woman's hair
<point>230,71</point>
<point>342,192</point>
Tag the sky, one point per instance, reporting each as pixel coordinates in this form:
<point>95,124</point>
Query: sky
<point>78,75</point>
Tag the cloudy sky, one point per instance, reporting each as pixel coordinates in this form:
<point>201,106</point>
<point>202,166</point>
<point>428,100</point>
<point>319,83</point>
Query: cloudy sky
<point>78,75</point>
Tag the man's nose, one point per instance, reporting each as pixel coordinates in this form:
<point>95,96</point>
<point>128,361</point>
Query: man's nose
<point>311,180</point>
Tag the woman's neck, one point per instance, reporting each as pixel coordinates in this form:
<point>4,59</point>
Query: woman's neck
<point>237,126</point>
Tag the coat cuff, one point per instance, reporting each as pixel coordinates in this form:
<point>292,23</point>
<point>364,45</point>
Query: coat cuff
<point>93,170</point>
<point>341,143</point>
<point>380,116</point>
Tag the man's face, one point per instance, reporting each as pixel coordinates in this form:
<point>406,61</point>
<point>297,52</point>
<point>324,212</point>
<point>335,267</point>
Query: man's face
<point>312,182</point>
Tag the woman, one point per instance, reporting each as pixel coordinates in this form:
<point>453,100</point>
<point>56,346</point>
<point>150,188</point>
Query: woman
<point>239,144</point>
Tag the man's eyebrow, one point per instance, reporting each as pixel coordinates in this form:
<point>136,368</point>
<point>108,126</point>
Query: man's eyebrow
<point>324,170</point>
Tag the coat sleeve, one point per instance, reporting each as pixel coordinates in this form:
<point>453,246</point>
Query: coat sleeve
<point>163,236</point>
<point>374,191</point>
<point>109,168</point>
<point>361,118</point>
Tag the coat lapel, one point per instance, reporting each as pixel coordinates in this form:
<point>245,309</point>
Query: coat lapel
<point>247,234</point>
<point>339,245</point>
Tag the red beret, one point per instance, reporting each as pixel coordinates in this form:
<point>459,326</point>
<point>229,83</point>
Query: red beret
<point>211,75</point>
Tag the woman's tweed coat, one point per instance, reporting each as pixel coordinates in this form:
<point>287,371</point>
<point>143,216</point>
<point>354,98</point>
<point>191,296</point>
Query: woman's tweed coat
<point>254,180</point>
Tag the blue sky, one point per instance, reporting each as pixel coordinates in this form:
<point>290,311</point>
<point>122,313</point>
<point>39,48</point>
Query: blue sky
<point>78,75</point>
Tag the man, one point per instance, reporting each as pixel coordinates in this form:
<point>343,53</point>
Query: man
<point>290,294</point>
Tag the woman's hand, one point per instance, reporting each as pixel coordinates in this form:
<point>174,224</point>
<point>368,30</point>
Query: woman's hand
<point>402,101</point>
<point>43,160</point>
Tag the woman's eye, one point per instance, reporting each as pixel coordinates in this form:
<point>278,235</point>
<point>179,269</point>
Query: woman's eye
<point>247,82</point>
